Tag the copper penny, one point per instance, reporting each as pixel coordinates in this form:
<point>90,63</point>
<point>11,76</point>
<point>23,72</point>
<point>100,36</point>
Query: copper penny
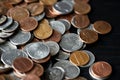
<point>3,8</point>
<point>35,8</point>
<point>30,1</point>
<point>88,36</point>
<point>43,30</point>
<point>56,36</point>
<point>31,77</point>
<point>102,27</point>
<point>101,69</point>
<point>80,21</point>
<point>82,8</point>
<point>37,70</point>
<point>28,24</point>
<point>49,2</point>
<point>19,13</point>
<point>79,58</point>
<point>2,77</point>
<point>22,64</point>
<point>9,12</point>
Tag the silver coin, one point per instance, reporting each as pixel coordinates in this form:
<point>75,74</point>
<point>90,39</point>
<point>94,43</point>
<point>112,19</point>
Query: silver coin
<point>2,19</point>
<point>90,27</point>
<point>40,16</point>
<point>92,58</point>
<point>71,2</point>
<point>2,40</point>
<point>63,7</point>
<point>38,50</point>
<point>8,57</point>
<point>54,47</point>
<point>7,23</point>
<point>62,55</point>
<point>20,38</point>
<point>66,23</point>
<point>70,42</point>
<point>26,47</point>
<point>55,73</point>
<point>12,27</point>
<point>58,26</point>
<point>5,35</point>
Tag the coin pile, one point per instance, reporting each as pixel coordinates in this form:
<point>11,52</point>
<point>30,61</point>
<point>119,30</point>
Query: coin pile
<point>43,47</point>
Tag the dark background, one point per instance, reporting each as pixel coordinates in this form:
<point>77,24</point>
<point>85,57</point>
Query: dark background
<point>107,48</point>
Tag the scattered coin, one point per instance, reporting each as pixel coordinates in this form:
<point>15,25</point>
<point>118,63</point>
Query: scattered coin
<point>2,19</point>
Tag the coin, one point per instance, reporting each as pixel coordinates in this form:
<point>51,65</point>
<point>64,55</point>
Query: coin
<point>30,1</point>
<point>82,8</point>
<point>38,50</point>
<point>40,16</point>
<point>8,57</point>
<point>49,2</point>
<point>71,2</point>
<point>31,77</point>
<point>80,21</point>
<point>19,13</point>
<point>35,8</point>
<point>54,47</point>
<point>70,42</point>
<point>37,70</point>
<point>7,23</point>
<point>22,64</point>
<point>79,58</point>
<point>88,36</point>
<point>56,36</point>
<point>58,26</point>
<point>28,24</point>
<point>14,2</point>
<point>2,19</point>
<point>43,30</point>
<point>102,27</point>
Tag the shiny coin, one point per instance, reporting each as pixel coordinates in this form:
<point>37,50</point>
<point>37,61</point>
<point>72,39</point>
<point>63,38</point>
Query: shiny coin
<point>66,23</point>
<point>102,27</point>
<point>20,38</point>
<point>88,36</point>
<point>31,77</point>
<point>7,23</point>
<point>62,7</point>
<point>49,2</point>
<point>30,1</point>
<point>5,35</point>
<point>8,57</point>
<point>55,73</point>
<point>2,19</point>
<point>19,13</point>
<point>80,21</point>
<point>82,8</point>
<point>12,27</point>
<point>2,40</point>
<point>22,64</point>
<point>56,36</point>
<point>54,47</point>
<point>28,24</point>
<point>79,58</point>
<point>43,30</point>
<point>35,8</point>
<point>38,50</point>
<point>70,42</point>
<point>58,26</point>
<point>40,16</point>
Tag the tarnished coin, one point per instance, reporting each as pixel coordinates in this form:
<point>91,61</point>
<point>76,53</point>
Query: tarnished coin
<point>62,7</point>
<point>40,16</point>
<point>88,36</point>
<point>22,64</point>
<point>2,19</point>
<point>35,8</point>
<point>80,21</point>
<point>5,35</point>
<point>49,2</point>
<point>43,30</point>
<point>82,8</point>
<point>19,13</point>
<point>56,36</point>
<point>38,50</point>
<point>8,57</point>
<point>66,23</point>
<point>70,42</point>
<point>31,77</point>
<point>58,26</point>
<point>7,23</point>
<point>12,27</point>
<point>54,47</point>
<point>79,58</point>
<point>102,27</point>
<point>20,38</point>
<point>30,1</point>
<point>28,24</point>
